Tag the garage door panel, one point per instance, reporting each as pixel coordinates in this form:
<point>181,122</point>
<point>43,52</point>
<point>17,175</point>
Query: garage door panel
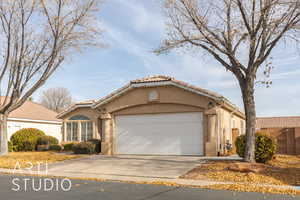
<point>161,134</point>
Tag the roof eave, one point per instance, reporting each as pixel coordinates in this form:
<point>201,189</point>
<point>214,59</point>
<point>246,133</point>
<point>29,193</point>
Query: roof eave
<point>70,109</point>
<point>233,108</point>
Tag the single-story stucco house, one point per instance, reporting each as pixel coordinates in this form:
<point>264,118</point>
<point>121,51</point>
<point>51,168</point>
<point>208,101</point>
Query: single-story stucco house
<point>157,115</point>
<point>34,115</point>
<point>286,130</point>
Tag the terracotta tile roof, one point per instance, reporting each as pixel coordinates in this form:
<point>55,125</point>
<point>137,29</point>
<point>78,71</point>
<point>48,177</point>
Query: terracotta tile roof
<point>278,122</point>
<point>156,78</point>
<point>86,102</point>
<point>33,111</point>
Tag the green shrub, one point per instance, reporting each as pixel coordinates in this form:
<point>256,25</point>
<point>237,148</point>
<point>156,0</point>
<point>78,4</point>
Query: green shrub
<point>28,145</point>
<point>11,147</point>
<point>68,146</point>
<point>47,140</point>
<point>26,139</point>
<point>97,144</point>
<point>84,148</point>
<point>240,144</point>
<point>55,147</point>
<point>265,147</point>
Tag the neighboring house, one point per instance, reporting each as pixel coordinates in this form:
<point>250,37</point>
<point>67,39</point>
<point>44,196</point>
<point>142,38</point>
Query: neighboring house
<point>33,115</point>
<point>155,116</point>
<point>286,130</point>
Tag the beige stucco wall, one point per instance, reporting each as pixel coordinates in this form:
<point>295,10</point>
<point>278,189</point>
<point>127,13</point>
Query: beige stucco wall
<point>167,94</point>
<point>171,100</point>
<point>229,120</point>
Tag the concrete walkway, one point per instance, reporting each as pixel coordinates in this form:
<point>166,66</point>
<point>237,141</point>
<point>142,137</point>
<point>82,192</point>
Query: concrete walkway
<point>99,166</point>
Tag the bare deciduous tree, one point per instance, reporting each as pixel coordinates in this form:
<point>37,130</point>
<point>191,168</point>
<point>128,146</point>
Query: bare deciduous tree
<point>36,37</point>
<point>239,34</point>
<point>56,99</point>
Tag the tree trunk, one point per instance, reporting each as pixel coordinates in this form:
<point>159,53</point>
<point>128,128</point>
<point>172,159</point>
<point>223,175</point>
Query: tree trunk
<point>3,135</point>
<point>250,112</point>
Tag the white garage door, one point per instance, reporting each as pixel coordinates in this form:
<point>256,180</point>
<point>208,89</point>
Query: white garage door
<point>160,134</point>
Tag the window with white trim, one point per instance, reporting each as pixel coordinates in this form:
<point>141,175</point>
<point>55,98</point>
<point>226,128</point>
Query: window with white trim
<point>86,131</point>
<point>72,131</point>
<point>79,125</point>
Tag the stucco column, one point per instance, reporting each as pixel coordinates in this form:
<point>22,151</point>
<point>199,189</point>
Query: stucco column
<point>107,139</point>
<point>211,136</point>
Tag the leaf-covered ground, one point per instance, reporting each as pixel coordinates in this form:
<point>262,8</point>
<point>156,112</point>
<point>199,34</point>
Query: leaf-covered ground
<point>26,158</point>
<point>282,170</point>
<point>253,188</point>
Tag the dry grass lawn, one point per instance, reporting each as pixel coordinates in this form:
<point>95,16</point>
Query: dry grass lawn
<point>9,161</point>
<point>282,170</point>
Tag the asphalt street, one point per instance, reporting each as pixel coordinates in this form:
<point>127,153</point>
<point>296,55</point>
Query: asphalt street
<point>37,188</point>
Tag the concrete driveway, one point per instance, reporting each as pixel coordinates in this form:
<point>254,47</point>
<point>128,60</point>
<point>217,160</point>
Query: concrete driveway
<point>99,166</point>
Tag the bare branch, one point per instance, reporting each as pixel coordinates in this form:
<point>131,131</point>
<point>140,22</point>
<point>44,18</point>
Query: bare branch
<point>38,36</point>
<point>239,34</point>
<point>56,99</point>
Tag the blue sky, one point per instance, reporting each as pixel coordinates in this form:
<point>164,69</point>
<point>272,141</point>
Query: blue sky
<point>133,28</point>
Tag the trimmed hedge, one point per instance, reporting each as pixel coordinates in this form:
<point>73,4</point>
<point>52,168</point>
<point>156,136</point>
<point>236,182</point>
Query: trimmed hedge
<point>265,146</point>
<point>97,144</point>
<point>47,140</point>
<point>55,147</point>
<point>84,148</point>
<point>26,139</point>
<point>68,146</point>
